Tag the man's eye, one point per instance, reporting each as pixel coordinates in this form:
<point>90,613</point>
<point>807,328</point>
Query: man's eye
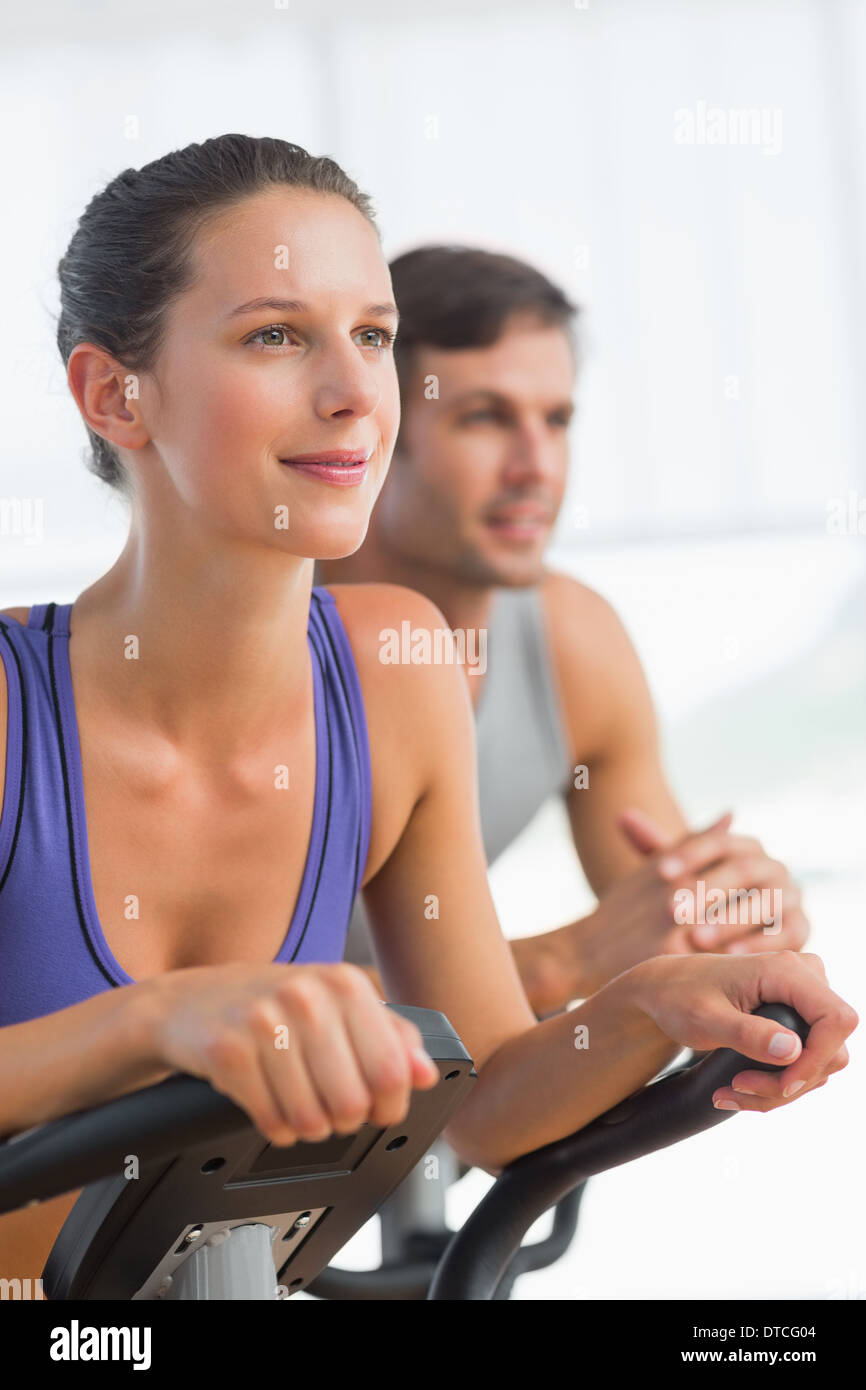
<point>479,415</point>
<point>386,336</point>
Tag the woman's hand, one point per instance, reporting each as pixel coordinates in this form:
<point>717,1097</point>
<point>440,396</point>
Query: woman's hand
<point>705,1002</point>
<point>307,1050</point>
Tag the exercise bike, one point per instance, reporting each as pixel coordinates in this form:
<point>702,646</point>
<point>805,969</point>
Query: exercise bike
<point>183,1198</point>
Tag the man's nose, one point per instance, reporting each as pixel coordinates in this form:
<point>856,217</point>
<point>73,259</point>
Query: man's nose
<point>532,455</point>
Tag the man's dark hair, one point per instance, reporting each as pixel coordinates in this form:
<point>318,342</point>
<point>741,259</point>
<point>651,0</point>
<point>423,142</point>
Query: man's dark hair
<point>461,297</point>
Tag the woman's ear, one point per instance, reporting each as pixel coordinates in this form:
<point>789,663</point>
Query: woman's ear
<point>107,394</point>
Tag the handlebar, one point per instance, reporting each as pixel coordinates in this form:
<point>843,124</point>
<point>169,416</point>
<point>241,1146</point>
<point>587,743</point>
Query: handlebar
<point>667,1110</point>
<point>161,1120</point>
<point>153,1123</point>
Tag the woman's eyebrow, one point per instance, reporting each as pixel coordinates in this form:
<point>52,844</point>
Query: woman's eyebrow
<point>297,306</point>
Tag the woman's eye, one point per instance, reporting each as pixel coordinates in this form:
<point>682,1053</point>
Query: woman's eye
<point>386,336</point>
<point>272,329</point>
<point>268,337</point>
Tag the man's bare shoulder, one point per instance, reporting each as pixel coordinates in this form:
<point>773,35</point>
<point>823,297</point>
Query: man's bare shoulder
<point>581,622</point>
<point>598,672</point>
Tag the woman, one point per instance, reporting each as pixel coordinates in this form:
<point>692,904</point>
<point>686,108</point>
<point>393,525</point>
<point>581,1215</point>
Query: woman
<point>202,748</point>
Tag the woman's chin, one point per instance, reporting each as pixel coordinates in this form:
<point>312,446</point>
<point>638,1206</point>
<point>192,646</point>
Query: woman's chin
<point>331,543</point>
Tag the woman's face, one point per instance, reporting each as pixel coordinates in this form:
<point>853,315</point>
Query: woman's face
<point>237,390</point>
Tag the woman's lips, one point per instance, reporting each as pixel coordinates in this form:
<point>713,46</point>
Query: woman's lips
<point>344,467</point>
<point>343,474</point>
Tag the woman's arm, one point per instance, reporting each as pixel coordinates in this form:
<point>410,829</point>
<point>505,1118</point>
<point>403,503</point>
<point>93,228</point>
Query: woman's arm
<point>439,945</point>
<point>78,1057</point>
<point>306,1050</point>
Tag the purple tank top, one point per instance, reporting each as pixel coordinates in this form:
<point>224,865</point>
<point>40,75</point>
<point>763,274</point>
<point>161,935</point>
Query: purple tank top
<point>52,950</point>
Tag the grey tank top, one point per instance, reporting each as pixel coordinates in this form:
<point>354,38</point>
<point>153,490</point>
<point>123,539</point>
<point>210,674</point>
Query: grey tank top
<point>523,750</point>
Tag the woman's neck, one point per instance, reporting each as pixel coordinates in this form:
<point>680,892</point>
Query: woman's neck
<point>207,643</point>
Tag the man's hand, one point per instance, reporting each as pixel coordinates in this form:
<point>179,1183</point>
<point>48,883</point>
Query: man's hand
<point>749,901</point>
<point>657,910</point>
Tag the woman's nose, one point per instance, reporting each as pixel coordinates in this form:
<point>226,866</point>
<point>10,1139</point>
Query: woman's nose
<point>347,385</point>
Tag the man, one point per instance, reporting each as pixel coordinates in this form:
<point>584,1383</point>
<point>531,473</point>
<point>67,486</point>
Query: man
<point>486,360</point>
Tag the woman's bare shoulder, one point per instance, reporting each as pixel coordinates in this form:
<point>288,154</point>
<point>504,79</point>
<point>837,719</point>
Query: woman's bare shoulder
<point>380,622</point>
<point>19,615</point>
<point>371,608</point>
<point>402,699</point>
<point>387,627</point>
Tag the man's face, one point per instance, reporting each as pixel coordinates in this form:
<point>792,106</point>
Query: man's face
<point>479,475</point>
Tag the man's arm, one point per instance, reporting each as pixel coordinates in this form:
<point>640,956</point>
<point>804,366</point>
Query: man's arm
<point>636,862</point>
<point>612,733</point>
<point>612,728</point>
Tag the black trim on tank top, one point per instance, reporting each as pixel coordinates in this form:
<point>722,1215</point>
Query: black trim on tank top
<point>48,626</point>
<point>324,686</point>
<point>339,669</point>
<point>21,780</point>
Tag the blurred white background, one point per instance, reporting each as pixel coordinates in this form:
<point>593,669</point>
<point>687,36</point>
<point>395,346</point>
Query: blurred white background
<point>718,445</point>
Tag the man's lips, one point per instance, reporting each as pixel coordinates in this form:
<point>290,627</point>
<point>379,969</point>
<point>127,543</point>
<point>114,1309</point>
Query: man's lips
<point>521,514</point>
<point>521,522</point>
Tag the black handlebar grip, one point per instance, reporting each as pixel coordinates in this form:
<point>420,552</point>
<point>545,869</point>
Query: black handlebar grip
<point>683,1088</point>
<point>77,1149</point>
<point>676,1106</point>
